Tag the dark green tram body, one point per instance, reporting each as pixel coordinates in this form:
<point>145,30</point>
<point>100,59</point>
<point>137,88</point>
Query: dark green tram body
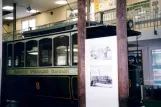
<point>48,82</point>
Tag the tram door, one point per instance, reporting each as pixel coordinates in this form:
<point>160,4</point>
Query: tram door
<point>135,77</point>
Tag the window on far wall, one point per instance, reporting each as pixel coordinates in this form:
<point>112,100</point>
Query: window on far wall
<point>28,24</point>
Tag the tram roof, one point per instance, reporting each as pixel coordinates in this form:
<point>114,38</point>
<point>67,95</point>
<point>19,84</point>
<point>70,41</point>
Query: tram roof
<point>103,31</point>
<point>94,31</point>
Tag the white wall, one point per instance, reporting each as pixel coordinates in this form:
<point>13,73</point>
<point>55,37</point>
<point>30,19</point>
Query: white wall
<point>59,14</point>
<point>147,34</point>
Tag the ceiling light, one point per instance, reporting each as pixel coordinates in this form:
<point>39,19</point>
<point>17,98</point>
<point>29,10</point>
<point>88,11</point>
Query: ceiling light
<point>9,18</point>
<point>7,8</point>
<point>33,11</point>
<point>61,2</point>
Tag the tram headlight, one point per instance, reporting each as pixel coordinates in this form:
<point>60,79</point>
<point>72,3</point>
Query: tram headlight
<point>130,24</point>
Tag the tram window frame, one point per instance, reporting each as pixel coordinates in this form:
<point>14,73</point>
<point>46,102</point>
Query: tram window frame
<point>73,43</point>
<point>49,57</point>
<point>32,53</point>
<point>9,51</point>
<point>56,43</point>
<point>22,62</point>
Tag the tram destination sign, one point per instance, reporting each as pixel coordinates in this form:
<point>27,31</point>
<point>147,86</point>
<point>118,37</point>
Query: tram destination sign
<point>55,71</point>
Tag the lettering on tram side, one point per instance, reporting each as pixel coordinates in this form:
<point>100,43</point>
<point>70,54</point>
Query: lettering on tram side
<point>21,71</point>
<point>60,71</point>
<point>38,71</point>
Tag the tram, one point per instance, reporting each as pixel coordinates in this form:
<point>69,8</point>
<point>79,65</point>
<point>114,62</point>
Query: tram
<point>40,70</point>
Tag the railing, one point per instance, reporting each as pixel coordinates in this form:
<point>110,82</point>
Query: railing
<point>141,20</point>
<point>146,20</point>
<point>19,33</point>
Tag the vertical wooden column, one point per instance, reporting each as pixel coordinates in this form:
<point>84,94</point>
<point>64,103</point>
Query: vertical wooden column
<point>88,11</point>
<point>123,54</point>
<point>81,51</point>
<point>1,52</point>
<point>14,20</point>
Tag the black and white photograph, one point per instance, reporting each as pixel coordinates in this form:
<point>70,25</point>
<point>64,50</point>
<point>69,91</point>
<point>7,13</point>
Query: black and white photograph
<point>100,53</point>
<point>100,76</point>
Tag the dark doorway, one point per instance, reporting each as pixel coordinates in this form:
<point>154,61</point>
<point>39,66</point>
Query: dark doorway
<point>135,77</point>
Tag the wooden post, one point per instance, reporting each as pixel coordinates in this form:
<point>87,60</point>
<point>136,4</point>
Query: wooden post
<point>81,51</point>
<point>1,52</point>
<point>88,11</point>
<point>14,20</point>
<point>123,54</point>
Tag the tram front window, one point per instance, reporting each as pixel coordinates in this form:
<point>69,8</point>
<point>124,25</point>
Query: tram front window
<point>61,51</point>
<point>9,51</point>
<point>31,53</point>
<point>19,54</point>
<point>75,49</point>
<point>45,50</point>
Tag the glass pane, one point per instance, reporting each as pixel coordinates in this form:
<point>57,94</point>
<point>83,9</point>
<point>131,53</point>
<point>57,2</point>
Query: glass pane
<point>61,51</point>
<point>32,23</point>
<point>9,55</point>
<point>31,53</point>
<point>75,49</point>
<point>25,25</point>
<point>156,66</point>
<point>19,54</point>
<point>45,50</point>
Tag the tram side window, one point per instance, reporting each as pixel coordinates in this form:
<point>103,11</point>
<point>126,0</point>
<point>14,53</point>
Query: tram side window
<point>19,54</point>
<point>9,50</point>
<point>31,53</point>
<point>61,51</point>
<point>75,49</point>
<point>45,51</point>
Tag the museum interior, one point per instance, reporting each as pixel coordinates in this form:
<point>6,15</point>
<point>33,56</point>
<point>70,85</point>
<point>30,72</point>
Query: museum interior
<point>40,53</point>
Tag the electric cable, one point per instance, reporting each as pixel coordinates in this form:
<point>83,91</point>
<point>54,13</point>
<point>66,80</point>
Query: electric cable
<point>6,30</point>
<point>71,8</point>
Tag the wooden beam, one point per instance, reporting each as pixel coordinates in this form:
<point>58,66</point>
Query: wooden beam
<point>123,54</point>
<point>81,51</point>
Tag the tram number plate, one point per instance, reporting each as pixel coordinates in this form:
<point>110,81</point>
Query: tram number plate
<point>37,85</point>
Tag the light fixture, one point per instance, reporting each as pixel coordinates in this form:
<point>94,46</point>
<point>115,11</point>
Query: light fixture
<point>7,8</point>
<point>74,50</point>
<point>8,18</point>
<point>33,53</point>
<point>130,24</point>
<point>29,8</point>
<point>32,11</point>
<point>60,2</point>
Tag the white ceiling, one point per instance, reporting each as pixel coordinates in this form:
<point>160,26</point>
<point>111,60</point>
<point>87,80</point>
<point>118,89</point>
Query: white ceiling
<point>41,5</point>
